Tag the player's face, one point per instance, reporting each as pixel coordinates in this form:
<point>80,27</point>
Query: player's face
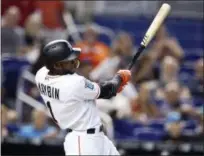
<point>68,65</point>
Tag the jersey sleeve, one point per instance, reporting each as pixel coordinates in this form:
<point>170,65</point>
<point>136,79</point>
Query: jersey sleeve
<point>87,90</point>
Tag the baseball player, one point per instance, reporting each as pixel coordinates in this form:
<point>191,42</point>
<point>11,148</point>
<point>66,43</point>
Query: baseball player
<point>71,98</point>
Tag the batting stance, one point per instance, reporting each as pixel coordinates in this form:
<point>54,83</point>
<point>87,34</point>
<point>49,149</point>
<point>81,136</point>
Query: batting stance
<point>70,99</point>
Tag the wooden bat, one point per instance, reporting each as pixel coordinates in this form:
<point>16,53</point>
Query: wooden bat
<point>155,25</point>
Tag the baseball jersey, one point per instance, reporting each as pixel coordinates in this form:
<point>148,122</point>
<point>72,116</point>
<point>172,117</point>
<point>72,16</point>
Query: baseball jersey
<point>70,99</point>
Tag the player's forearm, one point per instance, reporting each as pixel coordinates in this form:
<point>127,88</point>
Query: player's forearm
<point>116,85</point>
<point>109,88</point>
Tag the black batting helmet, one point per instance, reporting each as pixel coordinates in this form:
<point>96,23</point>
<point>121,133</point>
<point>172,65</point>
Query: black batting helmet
<point>59,50</point>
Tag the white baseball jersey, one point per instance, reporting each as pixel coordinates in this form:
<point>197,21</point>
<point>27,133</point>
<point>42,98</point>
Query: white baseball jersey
<point>70,99</point>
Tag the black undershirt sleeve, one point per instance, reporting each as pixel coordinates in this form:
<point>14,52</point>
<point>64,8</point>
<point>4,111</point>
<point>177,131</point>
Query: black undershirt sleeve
<point>109,88</point>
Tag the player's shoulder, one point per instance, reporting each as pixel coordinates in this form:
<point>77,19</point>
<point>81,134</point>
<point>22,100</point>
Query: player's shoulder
<point>77,78</point>
<point>41,73</point>
<point>84,82</point>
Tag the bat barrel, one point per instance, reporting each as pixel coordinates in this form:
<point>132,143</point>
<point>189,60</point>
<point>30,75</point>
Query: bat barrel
<point>156,23</point>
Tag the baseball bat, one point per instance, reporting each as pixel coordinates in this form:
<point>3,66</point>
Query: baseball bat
<point>156,23</point>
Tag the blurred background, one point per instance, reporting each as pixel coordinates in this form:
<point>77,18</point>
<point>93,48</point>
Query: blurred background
<point>160,112</point>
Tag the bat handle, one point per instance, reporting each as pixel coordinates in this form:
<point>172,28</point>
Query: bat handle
<point>130,66</point>
<point>136,56</point>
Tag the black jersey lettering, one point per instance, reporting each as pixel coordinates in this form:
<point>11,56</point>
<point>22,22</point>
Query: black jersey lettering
<point>49,91</point>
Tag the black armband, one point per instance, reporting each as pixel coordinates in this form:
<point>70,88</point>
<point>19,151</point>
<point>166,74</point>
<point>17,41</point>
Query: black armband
<point>110,88</point>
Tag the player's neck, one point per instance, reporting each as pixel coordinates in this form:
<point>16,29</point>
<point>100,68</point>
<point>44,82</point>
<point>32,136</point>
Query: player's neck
<point>57,72</point>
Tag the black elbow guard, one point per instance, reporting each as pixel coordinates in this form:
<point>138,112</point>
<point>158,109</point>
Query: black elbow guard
<point>109,88</point>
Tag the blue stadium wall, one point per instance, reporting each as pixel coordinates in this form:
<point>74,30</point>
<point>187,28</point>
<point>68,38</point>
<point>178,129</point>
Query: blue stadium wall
<point>189,32</point>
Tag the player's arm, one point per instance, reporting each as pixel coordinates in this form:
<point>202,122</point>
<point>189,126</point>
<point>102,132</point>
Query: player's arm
<point>109,89</point>
<point>88,90</point>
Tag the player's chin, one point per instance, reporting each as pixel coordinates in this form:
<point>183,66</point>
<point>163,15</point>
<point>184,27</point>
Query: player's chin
<point>74,70</point>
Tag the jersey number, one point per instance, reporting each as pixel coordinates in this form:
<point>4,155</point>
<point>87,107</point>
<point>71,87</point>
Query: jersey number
<point>51,112</point>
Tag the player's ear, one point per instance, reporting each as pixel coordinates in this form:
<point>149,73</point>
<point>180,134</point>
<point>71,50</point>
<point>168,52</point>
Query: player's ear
<point>77,63</point>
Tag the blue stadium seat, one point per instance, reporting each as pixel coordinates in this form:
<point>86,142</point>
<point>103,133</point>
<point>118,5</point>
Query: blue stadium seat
<point>138,124</point>
<point>187,70</point>
<point>120,136</point>
<point>105,39</point>
<point>157,125</point>
<point>191,57</point>
<point>198,101</point>
<point>182,29</point>
<point>148,135</point>
<point>12,68</point>
<point>187,132</point>
<point>123,127</point>
<point>190,125</point>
